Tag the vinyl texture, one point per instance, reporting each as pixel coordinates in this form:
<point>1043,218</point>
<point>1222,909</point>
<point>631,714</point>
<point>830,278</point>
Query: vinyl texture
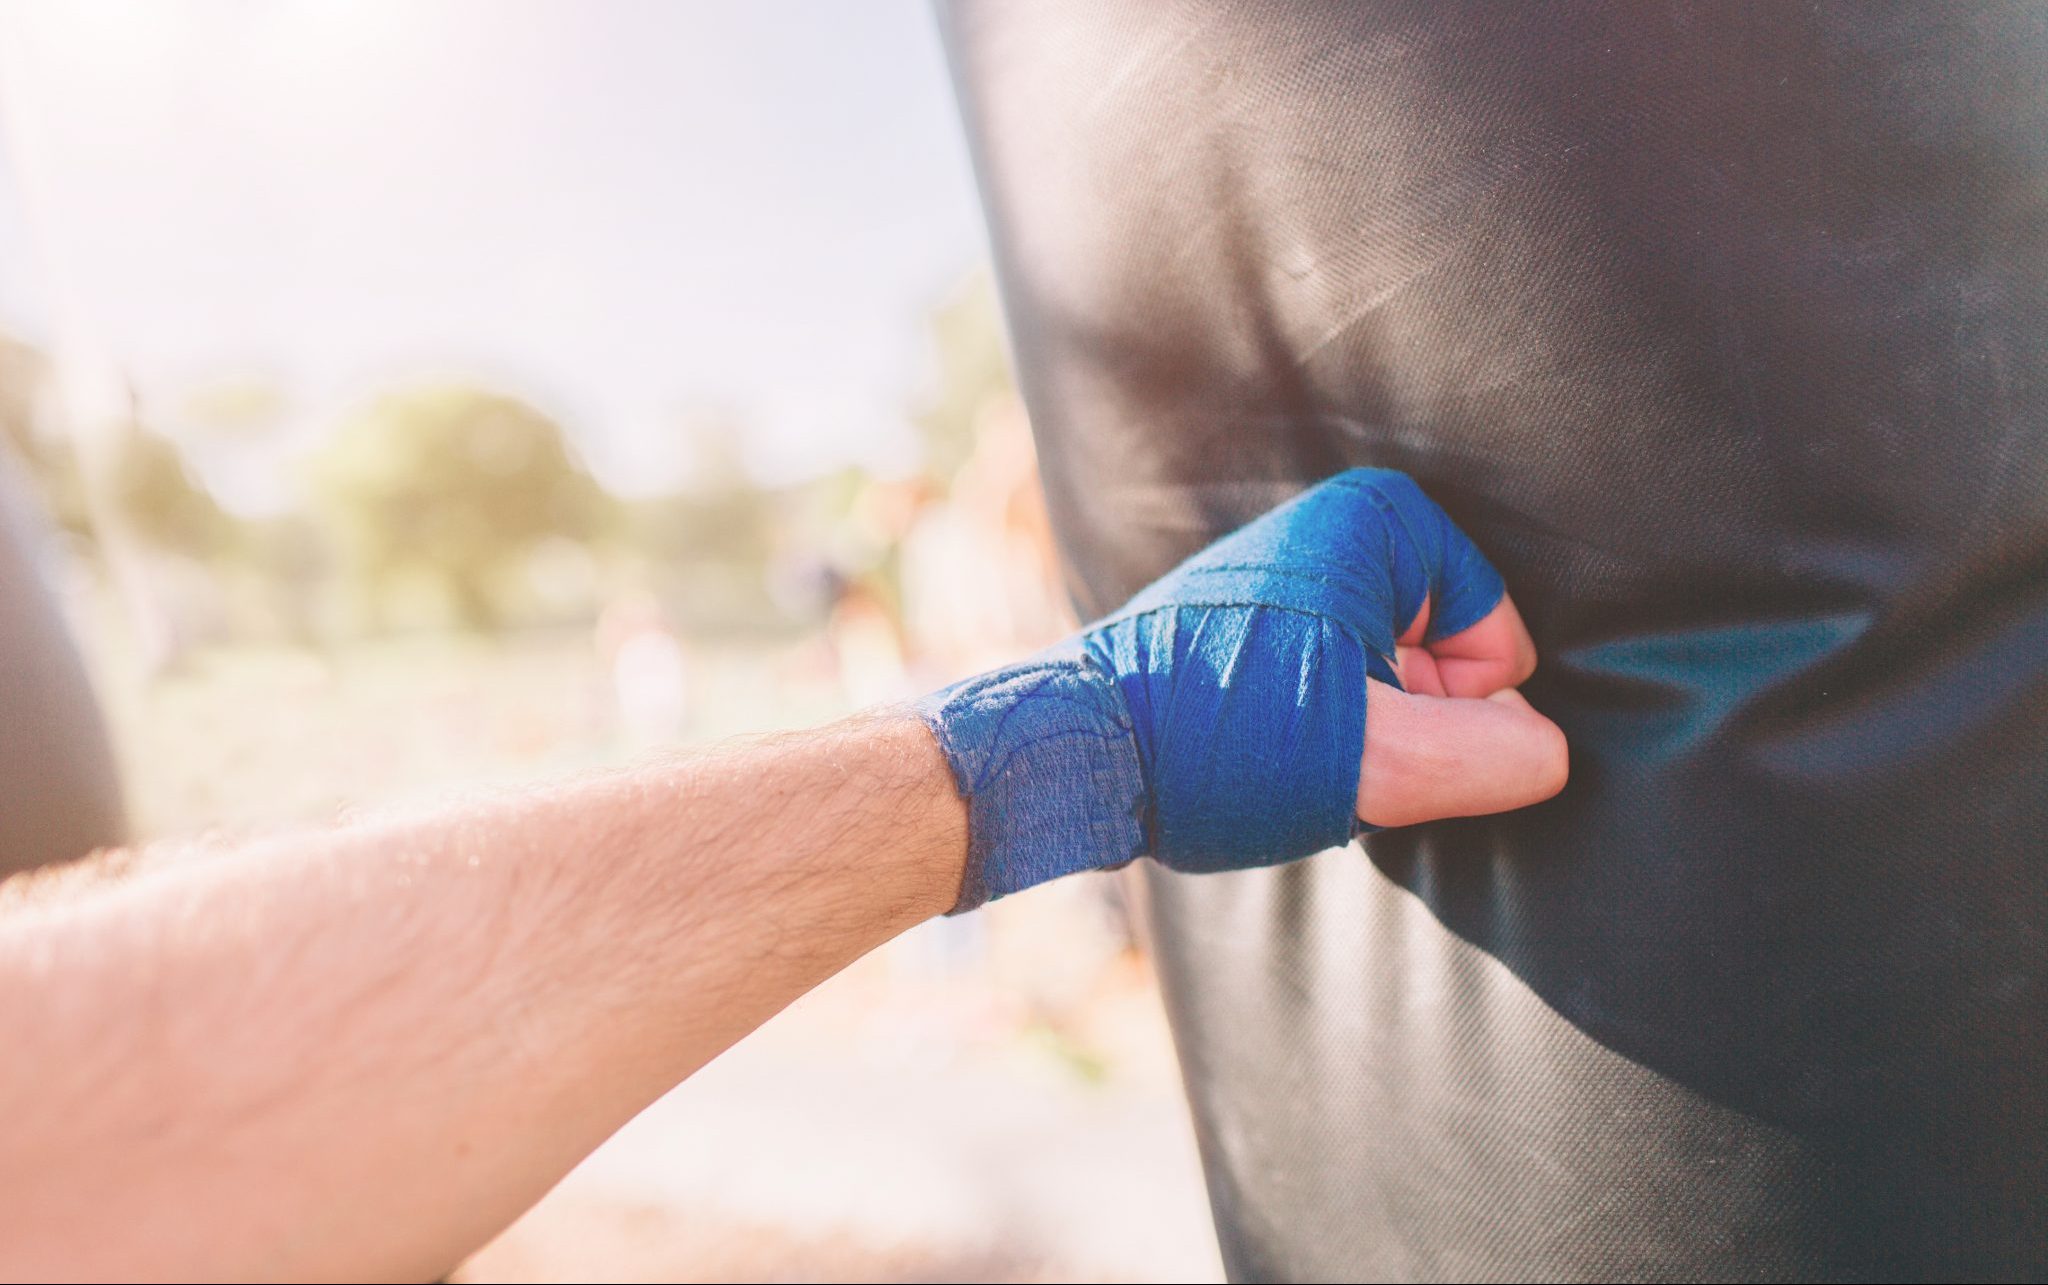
<point>1723,329</point>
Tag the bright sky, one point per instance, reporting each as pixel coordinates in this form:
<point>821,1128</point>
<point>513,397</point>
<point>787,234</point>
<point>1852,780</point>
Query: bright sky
<point>623,210</point>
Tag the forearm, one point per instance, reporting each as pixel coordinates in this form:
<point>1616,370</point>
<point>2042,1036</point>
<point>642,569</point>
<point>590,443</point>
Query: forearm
<point>363,1053</point>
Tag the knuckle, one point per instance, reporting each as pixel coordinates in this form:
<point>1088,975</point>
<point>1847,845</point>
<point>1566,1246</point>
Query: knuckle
<point>1380,480</point>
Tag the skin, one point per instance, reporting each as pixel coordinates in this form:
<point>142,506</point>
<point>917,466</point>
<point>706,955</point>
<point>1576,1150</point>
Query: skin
<point>359,1054</point>
<point>1461,741</point>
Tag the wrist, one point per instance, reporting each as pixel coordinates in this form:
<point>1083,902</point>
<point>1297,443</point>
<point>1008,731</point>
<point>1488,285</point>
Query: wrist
<point>1044,755</point>
<point>852,833</point>
<point>889,815</point>
<point>934,843</point>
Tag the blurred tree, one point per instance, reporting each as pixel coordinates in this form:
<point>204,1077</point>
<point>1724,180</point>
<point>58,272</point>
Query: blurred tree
<point>973,368</point>
<point>720,514</point>
<point>127,496</point>
<point>237,407</point>
<point>49,459</point>
<point>291,560</point>
<point>712,540</point>
<point>455,482</point>
<point>157,498</point>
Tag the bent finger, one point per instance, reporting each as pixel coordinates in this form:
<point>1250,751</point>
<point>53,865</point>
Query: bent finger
<point>1490,656</point>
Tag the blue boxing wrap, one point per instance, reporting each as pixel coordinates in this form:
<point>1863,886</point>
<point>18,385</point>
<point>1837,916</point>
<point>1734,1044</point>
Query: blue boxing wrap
<point>1216,721</point>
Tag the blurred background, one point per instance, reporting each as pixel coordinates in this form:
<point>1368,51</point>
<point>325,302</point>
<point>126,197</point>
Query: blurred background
<point>418,396</point>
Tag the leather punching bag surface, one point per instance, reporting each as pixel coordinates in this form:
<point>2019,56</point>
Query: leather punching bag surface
<point>1724,331</point>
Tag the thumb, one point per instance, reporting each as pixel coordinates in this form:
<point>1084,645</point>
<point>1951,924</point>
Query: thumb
<point>1428,757</point>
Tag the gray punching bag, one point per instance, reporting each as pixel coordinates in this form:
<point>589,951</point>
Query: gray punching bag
<point>1723,329</point>
<point>59,794</point>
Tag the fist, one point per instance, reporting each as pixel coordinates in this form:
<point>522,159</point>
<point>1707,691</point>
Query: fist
<point>1349,654</point>
<point>1348,659</point>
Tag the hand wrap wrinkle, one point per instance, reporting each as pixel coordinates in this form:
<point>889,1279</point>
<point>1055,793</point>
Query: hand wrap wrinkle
<point>1216,721</point>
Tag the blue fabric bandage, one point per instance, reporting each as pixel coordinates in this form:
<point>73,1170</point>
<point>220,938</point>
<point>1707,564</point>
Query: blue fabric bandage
<point>1217,721</point>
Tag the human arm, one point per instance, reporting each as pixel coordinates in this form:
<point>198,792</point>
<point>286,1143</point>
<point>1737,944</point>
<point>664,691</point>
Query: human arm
<point>360,1053</point>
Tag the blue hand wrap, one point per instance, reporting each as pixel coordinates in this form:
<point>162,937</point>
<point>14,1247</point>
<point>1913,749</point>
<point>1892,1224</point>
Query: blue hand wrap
<point>1217,721</point>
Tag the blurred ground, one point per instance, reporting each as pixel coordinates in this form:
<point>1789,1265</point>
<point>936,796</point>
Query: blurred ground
<point>993,1098</point>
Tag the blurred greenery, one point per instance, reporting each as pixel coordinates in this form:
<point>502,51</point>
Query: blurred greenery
<point>973,368</point>
<point>157,495</point>
<point>709,543</point>
<point>456,484</point>
<point>50,461</point>
<point>460,504</point>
